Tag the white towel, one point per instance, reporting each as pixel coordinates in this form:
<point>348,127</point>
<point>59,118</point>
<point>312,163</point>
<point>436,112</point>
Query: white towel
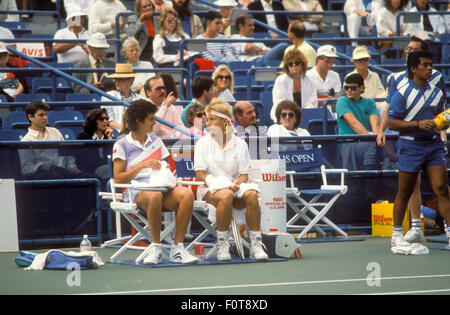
<point>39,261</point>
<point>158,178</point>
<point>216,183</point>
<point>414,249</point>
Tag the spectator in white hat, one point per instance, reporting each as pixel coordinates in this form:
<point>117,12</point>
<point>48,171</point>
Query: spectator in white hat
<point>225,8</point>
<point>327,82</point>
<point>72,52</point>
<point>10,86</point>
<point>373,86</point>
<point>97,46</point>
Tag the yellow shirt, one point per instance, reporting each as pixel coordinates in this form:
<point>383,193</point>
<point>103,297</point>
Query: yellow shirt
<point>306,50</point>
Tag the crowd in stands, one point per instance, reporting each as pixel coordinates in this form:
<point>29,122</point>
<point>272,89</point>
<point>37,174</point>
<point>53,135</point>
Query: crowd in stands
<point>151,38</point>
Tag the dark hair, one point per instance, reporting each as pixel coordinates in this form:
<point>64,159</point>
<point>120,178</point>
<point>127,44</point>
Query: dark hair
<point>184,10</point>
<point>169,83</point>
<point>414,60</point>
<point>211,16</point>
<point>286,104</point>
<point>241,20</point>
<point>196,107</point>
<point>90,123</point>
<point>424,44</point>
<point>34,106</point>
<point>298,29</point>
<point>199,84</point>
<point>138,110</point>
<point>354,78</point>
<point>388,5</point>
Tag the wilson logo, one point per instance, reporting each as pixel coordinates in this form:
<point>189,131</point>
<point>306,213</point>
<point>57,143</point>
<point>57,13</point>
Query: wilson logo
<point>273,178</point>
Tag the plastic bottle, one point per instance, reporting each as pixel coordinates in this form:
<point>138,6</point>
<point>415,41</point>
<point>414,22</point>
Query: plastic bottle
<point>85,244</point>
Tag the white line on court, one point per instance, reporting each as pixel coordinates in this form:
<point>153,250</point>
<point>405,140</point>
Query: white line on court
<point>409,292</point>
<point>275,284</point>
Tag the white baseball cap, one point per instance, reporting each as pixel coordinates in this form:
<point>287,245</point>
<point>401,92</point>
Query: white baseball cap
<point>3,47</point>
<point>226,3</point>
<point>327,51</point>
<point>98,40</point>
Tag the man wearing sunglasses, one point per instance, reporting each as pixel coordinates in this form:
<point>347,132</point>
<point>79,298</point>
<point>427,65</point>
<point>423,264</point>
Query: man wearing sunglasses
<point>357,115</point>
<point>258,53</point>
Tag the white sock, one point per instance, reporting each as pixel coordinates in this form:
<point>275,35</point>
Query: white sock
<point>222,235</point>
<point>397,230</point>
<point>415,224</point>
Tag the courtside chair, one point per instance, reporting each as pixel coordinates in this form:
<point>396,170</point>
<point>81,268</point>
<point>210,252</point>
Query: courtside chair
<point>312,205</point>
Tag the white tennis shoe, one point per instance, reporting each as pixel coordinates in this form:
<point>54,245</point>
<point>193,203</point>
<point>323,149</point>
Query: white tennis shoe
<point>179,254</point>
<point>414,235</point>
<point>154,256</point>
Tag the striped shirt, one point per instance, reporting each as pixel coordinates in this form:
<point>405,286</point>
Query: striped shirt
<point>218,50</point>
<point>401,78</point>
<point>414,103</point>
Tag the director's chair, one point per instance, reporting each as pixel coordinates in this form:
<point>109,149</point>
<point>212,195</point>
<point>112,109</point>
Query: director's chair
<point>312,205</point>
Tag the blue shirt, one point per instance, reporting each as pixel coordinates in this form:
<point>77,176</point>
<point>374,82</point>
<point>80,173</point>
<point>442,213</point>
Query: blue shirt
<point>414,103</point>
<point>362,111</point>
<point>401,78</point>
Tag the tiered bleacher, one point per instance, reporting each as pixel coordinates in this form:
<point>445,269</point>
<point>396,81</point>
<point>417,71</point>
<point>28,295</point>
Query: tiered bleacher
<point>34,62</point>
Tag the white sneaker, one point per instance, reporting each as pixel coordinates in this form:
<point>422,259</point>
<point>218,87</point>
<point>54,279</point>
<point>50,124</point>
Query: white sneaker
<point>154,256</point>
<point>414,235</point>
<point>399,240</point>
<point>256,247</point>
<point>178,254</point>
<point>223,252</point>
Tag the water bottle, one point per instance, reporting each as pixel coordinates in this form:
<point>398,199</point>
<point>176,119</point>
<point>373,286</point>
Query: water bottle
<point>85,244</point>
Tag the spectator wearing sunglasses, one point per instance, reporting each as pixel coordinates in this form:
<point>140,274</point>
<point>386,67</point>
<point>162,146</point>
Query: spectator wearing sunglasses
<point>202,89</point>
<point>293,84</point>
<point>223,83</point>
<point>196,118</point>
<point>96,126</point>
<point>357,115</point>
<point>289,117</point>
<point>166,45</point>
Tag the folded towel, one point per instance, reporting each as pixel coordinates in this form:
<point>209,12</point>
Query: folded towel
<point>216,183</point>
<point>411,249</point>
<point>159,178</point>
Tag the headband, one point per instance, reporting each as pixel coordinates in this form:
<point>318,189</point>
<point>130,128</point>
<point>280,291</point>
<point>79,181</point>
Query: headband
<point>221,115</point>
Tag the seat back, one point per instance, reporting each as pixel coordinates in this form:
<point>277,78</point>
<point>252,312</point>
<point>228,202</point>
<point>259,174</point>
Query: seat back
<point>15,120</point>
<point>68,134</point>
<point>12,135</point>
<point>54,116</point>
<point>313,113</point>
<point>302,159</point>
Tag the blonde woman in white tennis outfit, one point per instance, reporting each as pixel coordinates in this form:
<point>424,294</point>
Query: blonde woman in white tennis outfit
<point>222,160</point>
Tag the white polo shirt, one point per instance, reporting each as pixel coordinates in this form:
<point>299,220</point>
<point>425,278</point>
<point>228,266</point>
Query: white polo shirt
<point>76,53</point>
<point>231,161</point>
<point>332,81</point>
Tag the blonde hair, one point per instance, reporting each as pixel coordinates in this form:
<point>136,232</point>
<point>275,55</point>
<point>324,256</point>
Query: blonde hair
<point>163,16</point>
<point>222,107</point>
<point>217,72</point>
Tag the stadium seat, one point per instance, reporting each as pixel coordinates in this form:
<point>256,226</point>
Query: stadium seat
<point>266,99</point>
<point>57,116</point>
<point>313,113</point>
<point>16,120</point>
<point>32,97</point>
<point>311,205</point>
<point>67,133</point>
<point>45,85</point>
<point>12,134</point>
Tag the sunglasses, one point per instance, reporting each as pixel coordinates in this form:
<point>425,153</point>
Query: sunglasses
<point>103,118</point>
<point>290,115</point>
<point>159,88</point>
<point>200,115</point>
<point>172,20</point>
<point>347,87</point>
<point>297,63</point>
<point>223,77</point>
<point>410,48</point>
